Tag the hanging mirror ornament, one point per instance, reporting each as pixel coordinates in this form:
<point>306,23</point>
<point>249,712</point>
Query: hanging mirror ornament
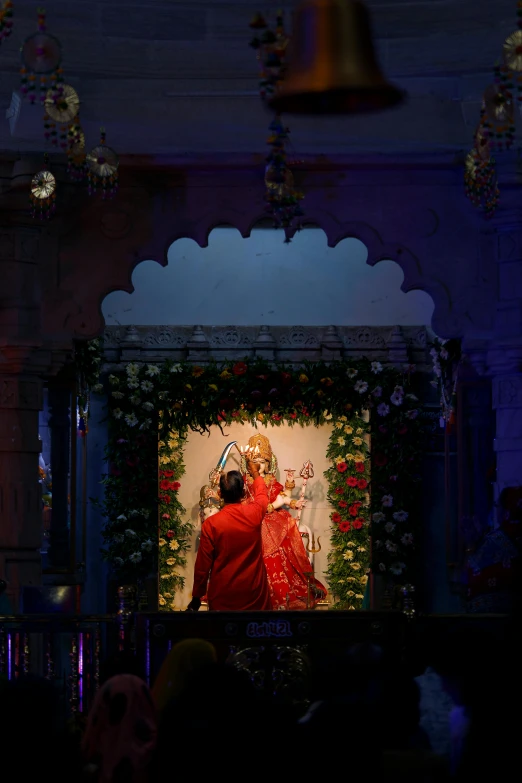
<point>43,193</point>
<point>102,169</point>
<point>6,19</point>
<point>41,58</point>
<point>62,105</point>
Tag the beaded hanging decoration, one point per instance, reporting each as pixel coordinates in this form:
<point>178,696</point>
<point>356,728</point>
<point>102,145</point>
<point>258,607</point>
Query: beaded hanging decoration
<point>76,155</point>
<point>102,169</point>
<point>497,115</point>
<point>480,182</point>
<point>6,19</point>
<point>41,57</point>
<point>43,193</point>
<point>281,197</point>
<point>62,105</point>
<point>270,47</point>
<point>497,123</point>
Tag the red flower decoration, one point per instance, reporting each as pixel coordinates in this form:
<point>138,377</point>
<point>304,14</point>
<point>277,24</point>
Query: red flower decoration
<point>336,517</point>
<point>351,481</point>
<point>362,483</point>
<point>292,415</point>
<point>286,377</point>
<point>353,510</point>
<point>174,486</point>
<point>239,368</point>
<point>358,523</point>
<point>359,467</point>
<point>170,534</point>
<point>164,499</point>
<point>277,417</point>
<point>380,459</point>
<point>345,527</point>
<point>342,467</point>
<point>402,429</point>
<point>167,473</point>
<point>343,504</point>
<point>164,484</point>
<point>235,414</point>
<point>165,516</point>
<point>339,490</point>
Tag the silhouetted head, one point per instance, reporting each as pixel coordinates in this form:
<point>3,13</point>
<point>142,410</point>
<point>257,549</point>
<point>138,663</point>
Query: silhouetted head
<point>232,486</point>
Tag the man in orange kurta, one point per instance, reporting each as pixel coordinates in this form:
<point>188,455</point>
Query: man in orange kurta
<point>229,567</point>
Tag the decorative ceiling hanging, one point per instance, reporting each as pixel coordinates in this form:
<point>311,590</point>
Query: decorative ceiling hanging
<point>76,155</point>
<point>480,181</point>
<point>102,169</point>
<point>332,65</point>
<point>270,47</point>
<point>281,197</point>
<point>62,105</point>
<point>41,57</point>
<point>496,131</point>
<point>43,193</point>
<point>6,19</point>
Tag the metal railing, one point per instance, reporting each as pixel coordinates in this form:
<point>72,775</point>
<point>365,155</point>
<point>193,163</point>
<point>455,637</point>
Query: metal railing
<point>67,650</point>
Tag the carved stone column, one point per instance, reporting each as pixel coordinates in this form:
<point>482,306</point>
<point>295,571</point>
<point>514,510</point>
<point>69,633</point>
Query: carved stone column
<point>60,432</point>
<point>504,357</point>
<point>20,492</point>
<point>22,366</point>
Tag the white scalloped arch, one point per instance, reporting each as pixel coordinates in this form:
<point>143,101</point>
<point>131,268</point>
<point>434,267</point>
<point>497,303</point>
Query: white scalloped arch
<point>258,279</point>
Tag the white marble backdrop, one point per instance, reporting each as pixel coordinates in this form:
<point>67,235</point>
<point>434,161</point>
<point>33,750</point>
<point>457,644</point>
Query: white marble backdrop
<point>292,447</point>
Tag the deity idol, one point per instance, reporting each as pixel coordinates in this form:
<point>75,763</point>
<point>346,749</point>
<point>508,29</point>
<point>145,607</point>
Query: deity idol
<point>287,565</point>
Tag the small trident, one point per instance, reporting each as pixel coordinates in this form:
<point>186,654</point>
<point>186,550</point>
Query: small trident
<point>307,472</point>
<point>313,549</point>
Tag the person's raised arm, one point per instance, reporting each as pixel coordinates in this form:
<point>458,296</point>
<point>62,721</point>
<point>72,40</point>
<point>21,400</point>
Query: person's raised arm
<point>257,509</point>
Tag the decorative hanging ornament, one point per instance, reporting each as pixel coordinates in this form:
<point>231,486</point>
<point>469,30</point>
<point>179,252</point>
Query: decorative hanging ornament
<point>498,116</point>
<point>6,19</point>
<point>480,182</point>
<point>76,156</point>
<point>102,164</point>
<point>43,193</point>
<point>281,196</point>
<point>270,46</point>
<point>62,105</point>
<point>41,58</point>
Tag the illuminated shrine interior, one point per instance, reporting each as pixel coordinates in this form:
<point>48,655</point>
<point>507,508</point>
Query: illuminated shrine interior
<point>260,385</point>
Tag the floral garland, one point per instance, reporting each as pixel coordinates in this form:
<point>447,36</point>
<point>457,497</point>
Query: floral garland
<point>349,480</point>
<point>172,398</point>
<point>87,364</point>
<point>446,356</point>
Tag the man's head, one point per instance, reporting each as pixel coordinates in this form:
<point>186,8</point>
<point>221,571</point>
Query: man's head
<point>232,486</point>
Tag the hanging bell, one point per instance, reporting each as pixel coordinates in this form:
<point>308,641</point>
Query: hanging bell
<point>332,66</point>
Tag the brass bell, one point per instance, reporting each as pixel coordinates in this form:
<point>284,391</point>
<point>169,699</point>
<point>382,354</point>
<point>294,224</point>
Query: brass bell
<point>332,66</point>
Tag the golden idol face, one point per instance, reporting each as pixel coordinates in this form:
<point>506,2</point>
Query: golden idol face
<point>263,465</point>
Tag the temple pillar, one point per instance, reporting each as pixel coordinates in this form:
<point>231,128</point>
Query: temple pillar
<point>504,356</point>
<point>60,436</point>
<point>23,364</point>
<point>20,492</point>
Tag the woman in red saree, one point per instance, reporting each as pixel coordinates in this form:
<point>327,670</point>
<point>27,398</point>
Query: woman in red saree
<point>290,578</point>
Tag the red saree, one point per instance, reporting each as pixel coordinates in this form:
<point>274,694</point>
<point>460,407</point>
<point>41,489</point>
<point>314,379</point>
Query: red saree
<point>285,557</point>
